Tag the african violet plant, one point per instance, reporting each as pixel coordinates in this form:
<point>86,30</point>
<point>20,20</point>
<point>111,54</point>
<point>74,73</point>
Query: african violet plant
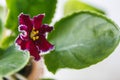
<point>83,37</point>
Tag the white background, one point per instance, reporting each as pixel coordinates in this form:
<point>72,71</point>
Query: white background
<point>108,69</point>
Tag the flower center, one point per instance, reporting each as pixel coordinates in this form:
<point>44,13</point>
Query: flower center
<point>33,34</point>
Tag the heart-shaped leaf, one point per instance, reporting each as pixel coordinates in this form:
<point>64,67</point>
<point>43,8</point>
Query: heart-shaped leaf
<point>81,40</point>
<point>12,60</point>
<point>72,6</point>
<point>32,7</point>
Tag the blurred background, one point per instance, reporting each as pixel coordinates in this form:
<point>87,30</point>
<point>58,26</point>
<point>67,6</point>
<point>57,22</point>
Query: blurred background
<point>108,69</point>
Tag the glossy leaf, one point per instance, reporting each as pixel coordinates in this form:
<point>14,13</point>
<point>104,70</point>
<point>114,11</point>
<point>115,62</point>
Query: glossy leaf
<point>2,13</point>
<point>81,40</point>
<point>72,6</point>
<point>32,7</point>
<point>12,60</point>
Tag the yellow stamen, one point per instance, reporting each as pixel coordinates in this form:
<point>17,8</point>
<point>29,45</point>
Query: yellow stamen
<point>34,38</point>
<point>37,37</point>
<point>33,34</point>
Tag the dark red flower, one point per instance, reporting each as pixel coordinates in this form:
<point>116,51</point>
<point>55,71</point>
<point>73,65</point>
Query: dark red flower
<point>33,35</point>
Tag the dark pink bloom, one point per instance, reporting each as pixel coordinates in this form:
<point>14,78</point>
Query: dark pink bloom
<point>33,35</point>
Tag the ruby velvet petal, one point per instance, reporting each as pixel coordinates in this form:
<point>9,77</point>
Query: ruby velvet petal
<point>33,35</point>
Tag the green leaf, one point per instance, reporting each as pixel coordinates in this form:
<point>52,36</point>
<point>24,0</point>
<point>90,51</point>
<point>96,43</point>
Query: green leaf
<point>72,6</point>
<point>1,11</point>
<point>1,28</point>
<point>0,78</point>
<point>81,40</point>
<point>1,51</point>
<point>7,41</point>
<point>32,7</point>
<point>12,60</point>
